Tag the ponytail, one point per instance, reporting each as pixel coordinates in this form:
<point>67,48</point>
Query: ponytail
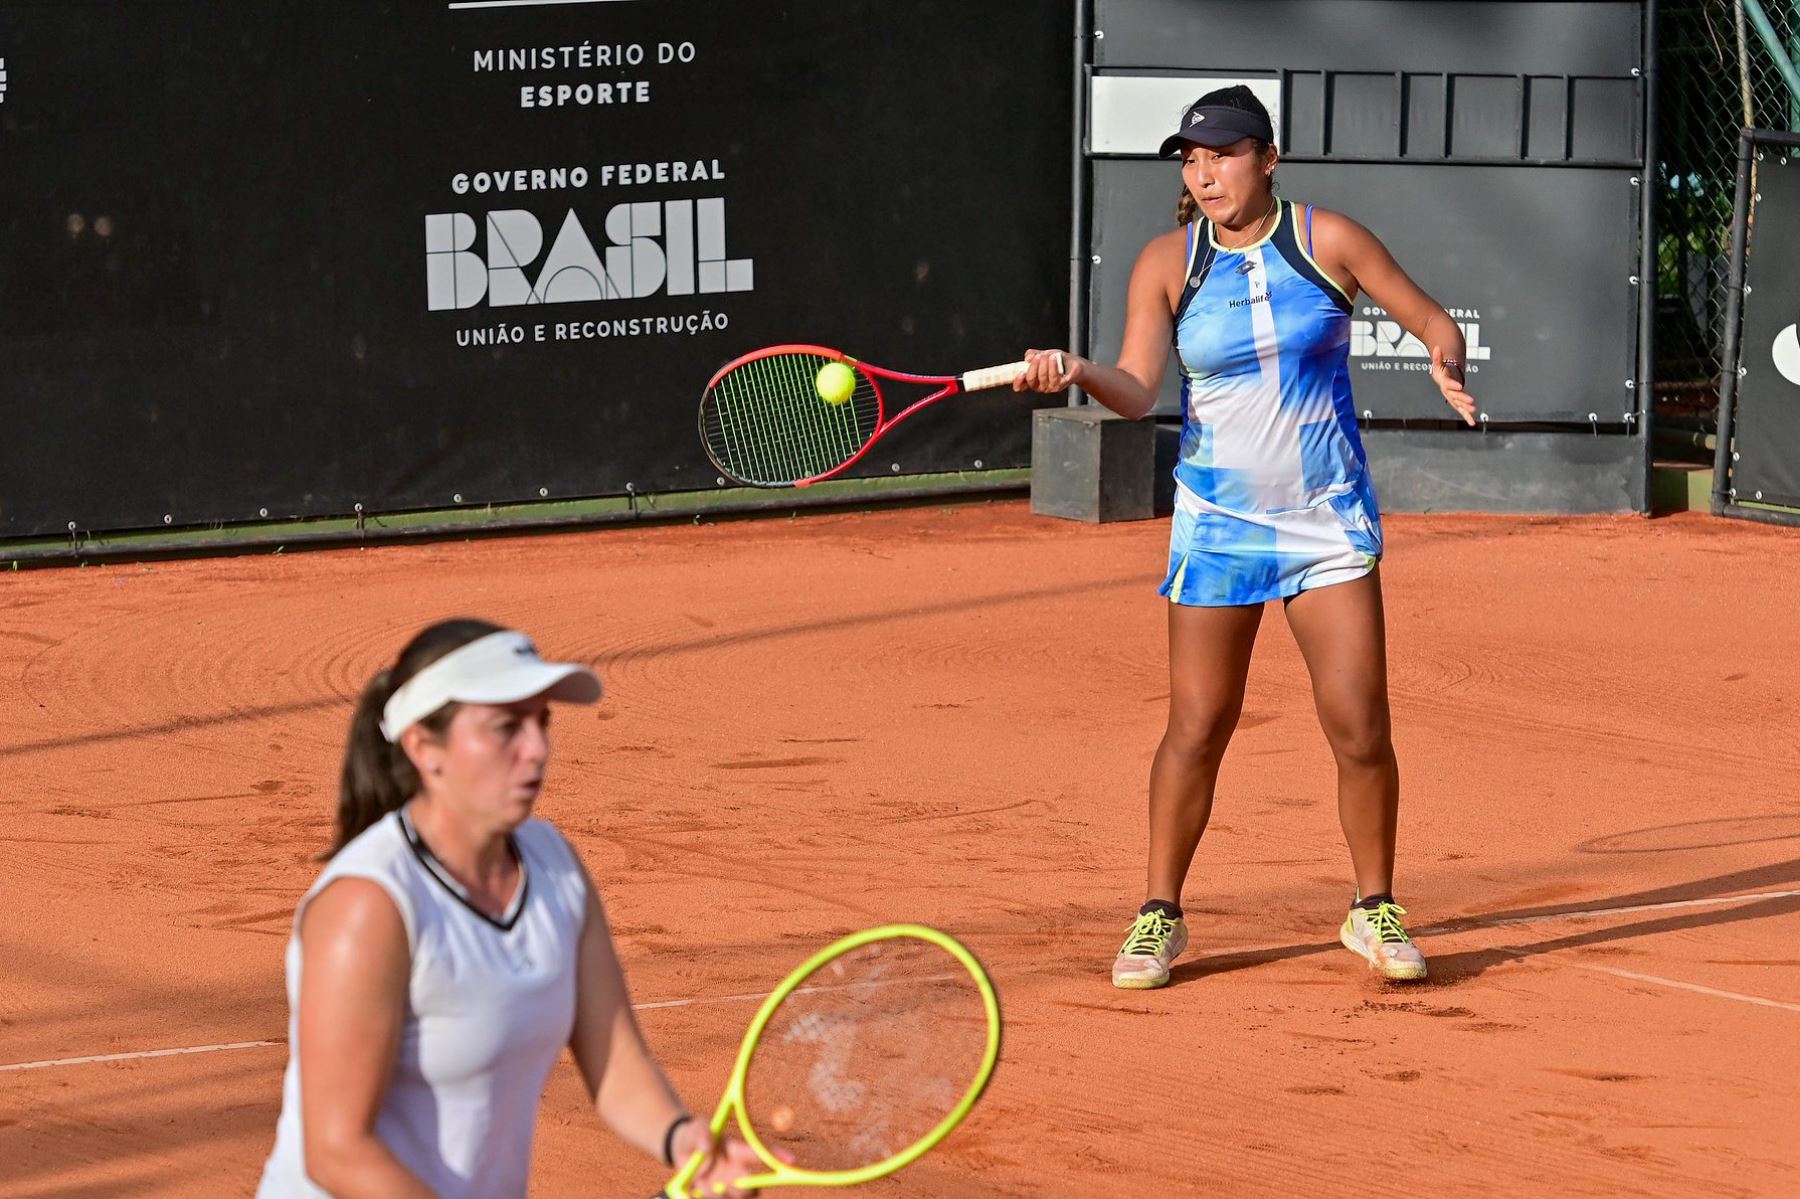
<point>378,777</point>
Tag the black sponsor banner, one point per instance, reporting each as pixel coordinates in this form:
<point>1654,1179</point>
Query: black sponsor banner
<point>1548,312</point>
<point>1765,431</point>
<point>274,259</point>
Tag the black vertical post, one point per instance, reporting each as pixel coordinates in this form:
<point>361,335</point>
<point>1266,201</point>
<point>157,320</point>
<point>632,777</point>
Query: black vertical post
<point>1078,195</point>
<point>1734,307</point>
<point>1647,261</point>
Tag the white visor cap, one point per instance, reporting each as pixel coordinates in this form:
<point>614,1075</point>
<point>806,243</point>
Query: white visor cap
<point>501,668</point>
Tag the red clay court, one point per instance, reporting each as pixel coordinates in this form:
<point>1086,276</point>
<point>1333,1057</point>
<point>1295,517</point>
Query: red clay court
<point>946,714</point>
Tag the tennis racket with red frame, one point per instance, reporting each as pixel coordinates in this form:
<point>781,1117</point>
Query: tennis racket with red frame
<point>764,423</point>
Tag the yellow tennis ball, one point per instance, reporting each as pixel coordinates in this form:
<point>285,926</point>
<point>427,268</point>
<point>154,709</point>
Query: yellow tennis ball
<point>835,382</point>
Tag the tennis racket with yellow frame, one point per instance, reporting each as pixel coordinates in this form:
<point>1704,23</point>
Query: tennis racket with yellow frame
<point>861,1061</point>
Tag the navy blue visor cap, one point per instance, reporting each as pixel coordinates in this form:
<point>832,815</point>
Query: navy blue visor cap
<point>1214,126</point>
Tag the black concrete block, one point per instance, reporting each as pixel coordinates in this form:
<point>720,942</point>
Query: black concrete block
<point>1088,464</point>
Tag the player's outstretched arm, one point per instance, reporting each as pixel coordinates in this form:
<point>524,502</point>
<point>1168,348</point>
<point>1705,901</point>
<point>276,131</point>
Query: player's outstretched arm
<point>1129,388</point>
<point>1360,254</point>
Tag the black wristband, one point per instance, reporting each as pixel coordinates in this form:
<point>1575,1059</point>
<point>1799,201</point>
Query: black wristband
<point>669,1139</point>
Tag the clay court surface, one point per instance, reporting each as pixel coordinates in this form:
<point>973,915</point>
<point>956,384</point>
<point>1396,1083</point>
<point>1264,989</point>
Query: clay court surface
<point>946,714</point>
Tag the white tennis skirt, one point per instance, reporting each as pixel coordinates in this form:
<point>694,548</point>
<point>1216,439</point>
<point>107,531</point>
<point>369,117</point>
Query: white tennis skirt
<point>1220,558</point>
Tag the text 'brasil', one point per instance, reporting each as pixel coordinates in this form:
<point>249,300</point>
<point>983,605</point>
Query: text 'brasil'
<point>676,247</point>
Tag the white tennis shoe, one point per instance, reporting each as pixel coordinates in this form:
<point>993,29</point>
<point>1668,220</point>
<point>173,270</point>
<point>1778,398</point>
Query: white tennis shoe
<point>1376,935</point>
<point>1154,942</point>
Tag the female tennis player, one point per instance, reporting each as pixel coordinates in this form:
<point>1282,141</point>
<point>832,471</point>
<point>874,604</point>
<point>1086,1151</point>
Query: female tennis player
<point>1273,497</point>
<point>453,945</point>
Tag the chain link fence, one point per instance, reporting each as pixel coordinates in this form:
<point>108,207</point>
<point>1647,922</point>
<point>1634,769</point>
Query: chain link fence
<point>1718,74</point>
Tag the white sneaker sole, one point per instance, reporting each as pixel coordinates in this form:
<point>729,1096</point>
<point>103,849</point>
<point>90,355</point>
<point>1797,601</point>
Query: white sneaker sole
<point>1392,971</point>
<point>1141,982</point>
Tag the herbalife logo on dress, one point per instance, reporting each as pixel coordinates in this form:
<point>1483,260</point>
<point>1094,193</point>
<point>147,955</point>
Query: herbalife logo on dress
<point>676,247</point>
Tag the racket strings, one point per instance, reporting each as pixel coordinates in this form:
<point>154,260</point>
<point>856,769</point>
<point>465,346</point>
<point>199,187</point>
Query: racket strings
<point>867,1058</point>
<point>764,422</point>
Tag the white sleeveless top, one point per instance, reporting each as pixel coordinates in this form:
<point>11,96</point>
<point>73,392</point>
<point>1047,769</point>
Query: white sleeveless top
<point>489,1007</point>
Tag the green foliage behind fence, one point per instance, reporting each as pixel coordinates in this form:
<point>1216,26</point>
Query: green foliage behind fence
<point>1718,74</point>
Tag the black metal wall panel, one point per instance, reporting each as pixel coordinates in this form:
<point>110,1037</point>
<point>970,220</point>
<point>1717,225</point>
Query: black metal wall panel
<point>1499,37</point>
<point>287,257</point>
<point>1545,302</point>
<point>1495,146</point>
<point>1765,431</point>
<point>1429,470</point>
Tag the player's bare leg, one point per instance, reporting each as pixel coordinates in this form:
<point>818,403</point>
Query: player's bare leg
<point>1209,660</point>
<point>1341,631</point>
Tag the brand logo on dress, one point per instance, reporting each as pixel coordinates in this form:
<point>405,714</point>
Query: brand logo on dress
<point>1245,303</point>
<point>1245,267</point>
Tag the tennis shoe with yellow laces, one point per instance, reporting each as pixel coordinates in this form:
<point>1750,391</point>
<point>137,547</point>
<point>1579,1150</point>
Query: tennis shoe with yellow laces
<point>1156,939</point>
<point>1376,935</point>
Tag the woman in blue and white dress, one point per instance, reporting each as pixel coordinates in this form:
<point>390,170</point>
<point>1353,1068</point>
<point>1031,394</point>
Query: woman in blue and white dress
<point>453,945</point>
<point>1273,498</point>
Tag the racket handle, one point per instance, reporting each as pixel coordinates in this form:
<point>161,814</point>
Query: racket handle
<point>992,376</point>
<point>679,1187</point>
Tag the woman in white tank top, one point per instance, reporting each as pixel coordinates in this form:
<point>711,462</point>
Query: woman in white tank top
<point>453,945</point>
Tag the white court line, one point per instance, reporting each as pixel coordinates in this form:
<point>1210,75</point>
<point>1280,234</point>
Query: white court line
<point>529,3</point>
<point>1448,926</point>
<point>1681,986</point>
<point>702,1001</point>
<point>1475,922</point>
<point>124,1057</point>
<point>935,978</point>
<point>1467,923</point>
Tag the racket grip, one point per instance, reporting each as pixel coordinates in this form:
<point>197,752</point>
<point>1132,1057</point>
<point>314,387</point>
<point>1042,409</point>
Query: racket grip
<point>992,376</point>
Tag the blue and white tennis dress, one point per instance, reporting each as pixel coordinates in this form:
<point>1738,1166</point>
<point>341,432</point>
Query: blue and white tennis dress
<point>1272,491</point>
